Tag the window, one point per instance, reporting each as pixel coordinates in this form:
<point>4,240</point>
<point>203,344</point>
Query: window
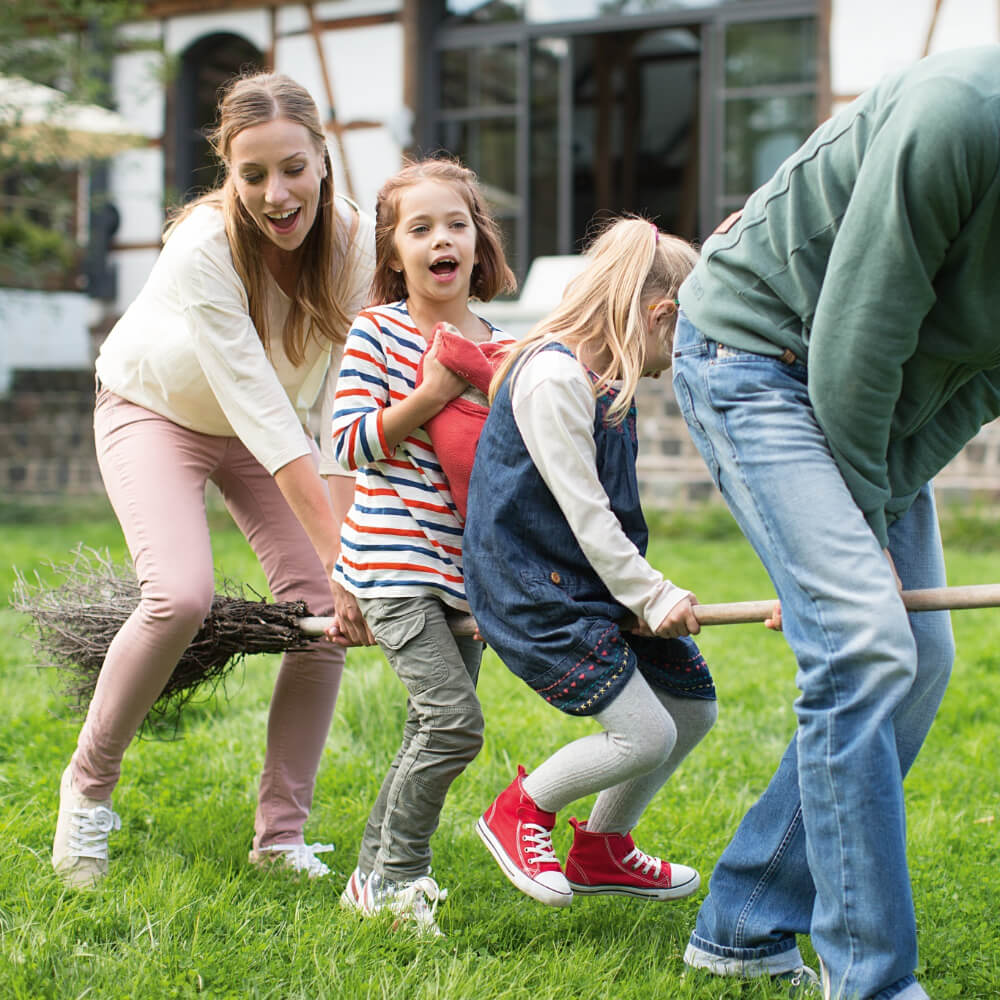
<point>205,67</point>
<point>547,11</point>
<point>570,110</point>
<point>769,92</point>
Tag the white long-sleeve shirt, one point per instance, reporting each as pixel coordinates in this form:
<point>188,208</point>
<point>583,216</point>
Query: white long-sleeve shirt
<point>187,349</point>
<point>554,408</point>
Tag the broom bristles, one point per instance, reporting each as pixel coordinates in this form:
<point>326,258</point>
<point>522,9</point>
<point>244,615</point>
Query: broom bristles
<point>75,622</point>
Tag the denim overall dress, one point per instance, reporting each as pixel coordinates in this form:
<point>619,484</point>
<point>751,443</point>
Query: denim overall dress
<point>536,598</point>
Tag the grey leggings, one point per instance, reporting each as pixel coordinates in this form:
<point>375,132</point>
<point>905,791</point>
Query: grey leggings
<point>647,733</point>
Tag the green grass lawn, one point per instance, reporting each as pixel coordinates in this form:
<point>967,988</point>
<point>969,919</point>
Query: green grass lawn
<point>183,915</point>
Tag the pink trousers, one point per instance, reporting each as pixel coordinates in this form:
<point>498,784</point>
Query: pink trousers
<point>155,473</point>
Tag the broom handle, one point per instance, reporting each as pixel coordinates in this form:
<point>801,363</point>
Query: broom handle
<point>985,595</point>
<point>460,625</point>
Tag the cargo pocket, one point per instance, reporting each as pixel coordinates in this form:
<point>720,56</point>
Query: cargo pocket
<point>409,646</point>
<point>395,630</point>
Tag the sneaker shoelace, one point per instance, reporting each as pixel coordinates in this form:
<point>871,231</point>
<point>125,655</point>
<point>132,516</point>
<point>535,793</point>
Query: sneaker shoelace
<point>539,840</point>
<point>802,982</point>
<point>640,860</point>
<point>88,835</point>
<point>302,857</point>
<point>411,900</point>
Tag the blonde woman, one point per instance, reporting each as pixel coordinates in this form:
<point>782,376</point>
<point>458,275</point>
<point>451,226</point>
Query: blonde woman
<point>557,580</point>
<point>210,375</point>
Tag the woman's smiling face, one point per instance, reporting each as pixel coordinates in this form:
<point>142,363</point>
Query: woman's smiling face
<point>278,170</point>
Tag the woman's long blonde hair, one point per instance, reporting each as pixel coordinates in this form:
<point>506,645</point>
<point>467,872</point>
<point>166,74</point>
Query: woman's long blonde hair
<point>326,271</point>
<point>604,309</point>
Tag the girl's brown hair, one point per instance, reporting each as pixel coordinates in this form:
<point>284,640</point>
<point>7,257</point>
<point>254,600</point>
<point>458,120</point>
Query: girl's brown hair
<point>603,312</point>
<point>490,276</point>
<point>326,268</point>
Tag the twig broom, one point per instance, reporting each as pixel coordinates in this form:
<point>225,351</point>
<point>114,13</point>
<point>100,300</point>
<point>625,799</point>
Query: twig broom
<point>75,622</point>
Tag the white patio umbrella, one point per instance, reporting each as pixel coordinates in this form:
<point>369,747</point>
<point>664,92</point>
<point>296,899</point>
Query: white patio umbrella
<point>41,124</point>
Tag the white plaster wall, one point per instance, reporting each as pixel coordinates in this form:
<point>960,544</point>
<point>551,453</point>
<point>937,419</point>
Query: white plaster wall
<point>374,155</point>
<point>966,22</point>
<point>136,177</point>
<point>42,330</point>
<point>254,25</point>
<point>332,9</point>
<point>137,181</point>
<point>869,38</point>
<point>137,79</point>
<point>133,268</point>
<point>367,66</point>
<point>358,94</point>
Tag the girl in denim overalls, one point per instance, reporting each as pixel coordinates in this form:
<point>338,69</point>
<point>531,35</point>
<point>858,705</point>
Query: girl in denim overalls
<point>557,580</point>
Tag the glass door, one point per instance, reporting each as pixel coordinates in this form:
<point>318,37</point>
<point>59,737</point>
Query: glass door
<point>675,111</point>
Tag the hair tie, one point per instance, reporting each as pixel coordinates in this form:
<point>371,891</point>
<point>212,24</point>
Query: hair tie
<point>656,233</point>
<point>656,305</point>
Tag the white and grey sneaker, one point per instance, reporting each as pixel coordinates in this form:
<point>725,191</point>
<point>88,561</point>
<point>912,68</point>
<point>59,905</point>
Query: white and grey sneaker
<point>802,982</point>
<point>350,898</point>
<point>80,846</point>
<point>788,970</point>
<point>414,900</point>
<point>299,857</point>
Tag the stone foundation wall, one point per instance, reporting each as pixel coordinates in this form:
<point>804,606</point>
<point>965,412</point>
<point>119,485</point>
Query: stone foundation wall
<point>47,446</point>
<point>672,474</point>
<point>47,435</point>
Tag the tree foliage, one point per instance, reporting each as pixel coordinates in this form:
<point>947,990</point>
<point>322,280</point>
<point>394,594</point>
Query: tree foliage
<point>62,43</point>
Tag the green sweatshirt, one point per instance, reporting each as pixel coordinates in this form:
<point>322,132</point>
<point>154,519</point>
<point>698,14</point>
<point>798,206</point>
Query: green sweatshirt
<point>874,255</point>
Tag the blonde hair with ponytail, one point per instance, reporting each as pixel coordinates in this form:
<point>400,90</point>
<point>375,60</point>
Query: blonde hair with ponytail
<point>604,310</point>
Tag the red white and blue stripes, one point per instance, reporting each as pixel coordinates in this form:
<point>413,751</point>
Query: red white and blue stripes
<point>402,536</point>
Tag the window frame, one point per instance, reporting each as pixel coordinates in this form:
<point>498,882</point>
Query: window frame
<point>712,22</point>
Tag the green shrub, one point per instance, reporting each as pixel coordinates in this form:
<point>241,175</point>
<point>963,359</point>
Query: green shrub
<point>31,256</point>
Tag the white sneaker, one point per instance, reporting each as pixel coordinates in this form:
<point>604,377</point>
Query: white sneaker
<point>414,900</point>
<point>80,846</point>
<point>350,898</point>
<point>784,969</point>
<point>299,857</point>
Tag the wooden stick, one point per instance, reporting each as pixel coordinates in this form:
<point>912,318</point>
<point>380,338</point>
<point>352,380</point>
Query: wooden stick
<point>460,625</point>
<point>985,595</point>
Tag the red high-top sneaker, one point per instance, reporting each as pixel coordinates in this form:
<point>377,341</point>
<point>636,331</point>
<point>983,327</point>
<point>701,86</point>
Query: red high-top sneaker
<point>519,836</point>
<point>611,864</point>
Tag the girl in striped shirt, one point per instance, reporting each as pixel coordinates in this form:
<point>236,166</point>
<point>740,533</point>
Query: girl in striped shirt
<point>401,543</point>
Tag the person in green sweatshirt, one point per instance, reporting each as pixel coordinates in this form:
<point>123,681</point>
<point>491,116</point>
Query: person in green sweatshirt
<point>838,344</point>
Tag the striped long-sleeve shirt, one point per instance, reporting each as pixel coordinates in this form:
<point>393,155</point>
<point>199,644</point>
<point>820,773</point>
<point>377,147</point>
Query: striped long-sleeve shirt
<point>402,536</point>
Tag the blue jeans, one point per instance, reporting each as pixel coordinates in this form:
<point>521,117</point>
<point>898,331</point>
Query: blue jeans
<point>823,851</point>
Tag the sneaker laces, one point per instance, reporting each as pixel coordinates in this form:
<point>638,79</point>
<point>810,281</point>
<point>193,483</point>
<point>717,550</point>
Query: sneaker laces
<point>302,857</point>
<point>802,982</point>
<point>89,829</point>
<point>639,859</point>
<point>540,843</point>
<point>411,900</point>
